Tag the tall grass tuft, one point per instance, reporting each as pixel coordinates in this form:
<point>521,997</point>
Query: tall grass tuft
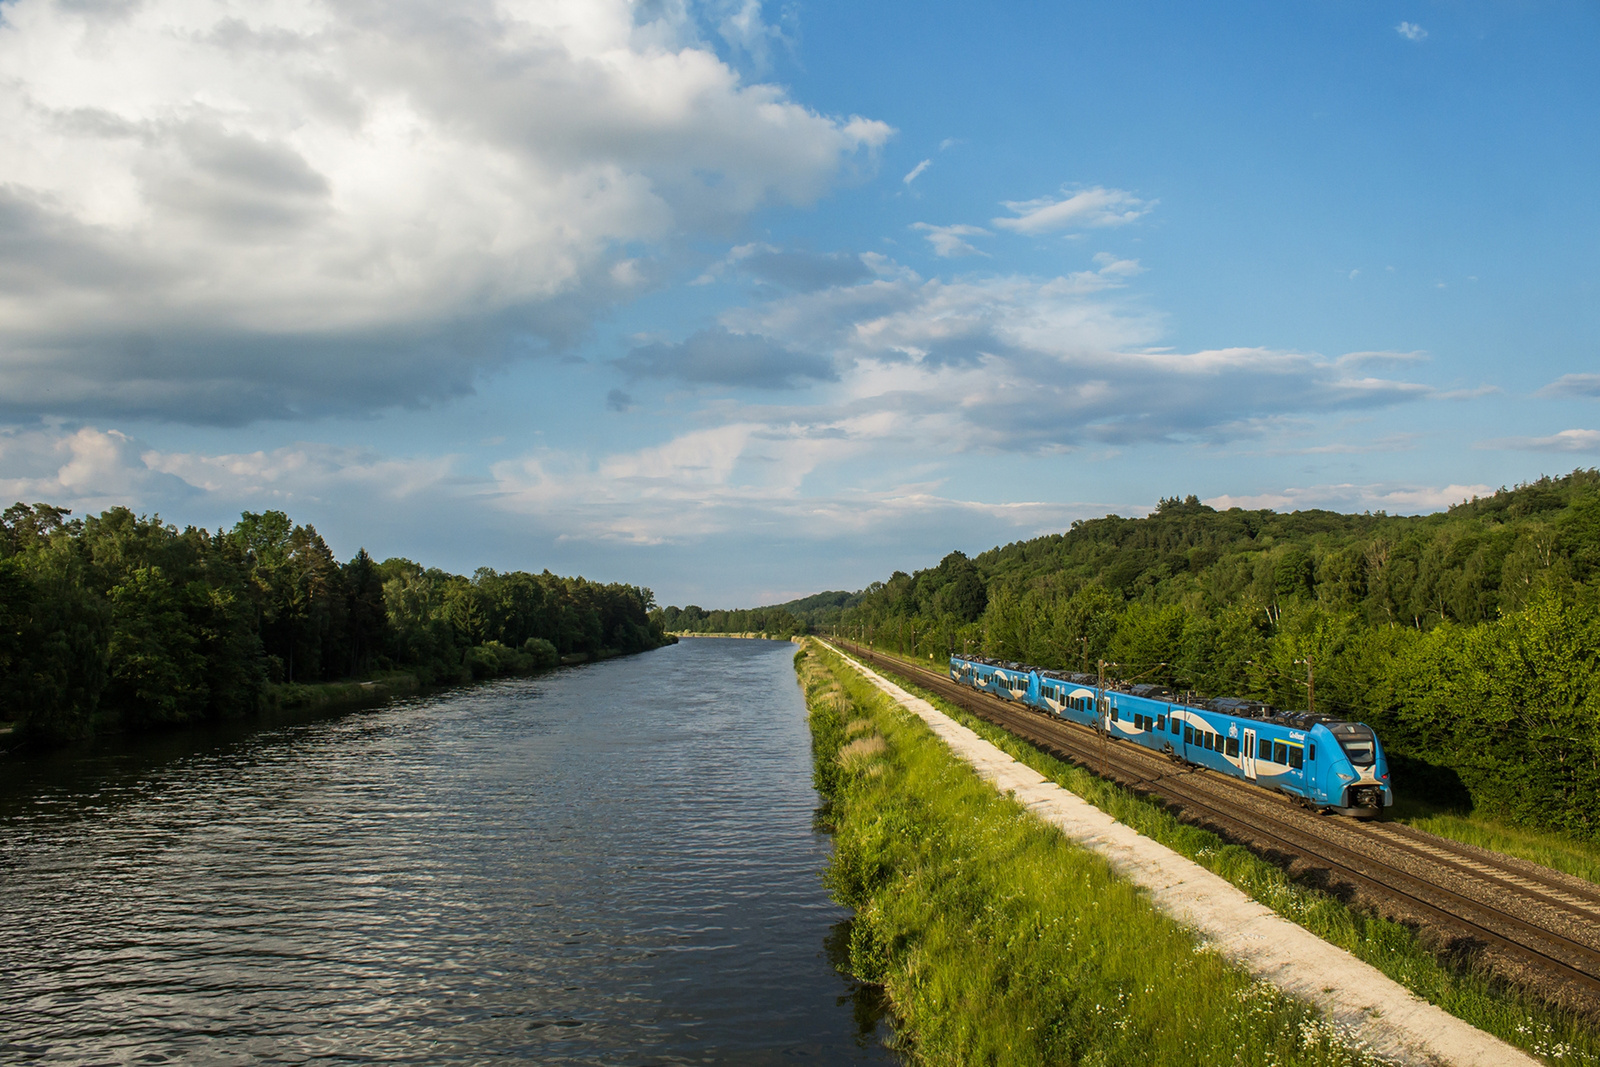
<point>1000,942</point>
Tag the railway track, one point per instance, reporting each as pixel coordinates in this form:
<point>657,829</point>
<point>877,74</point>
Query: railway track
<point>1536,926</point>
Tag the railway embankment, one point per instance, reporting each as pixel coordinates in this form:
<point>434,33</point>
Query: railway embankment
<point>1509,949</point>
<point>998,939</point>
<point>1443,965</point>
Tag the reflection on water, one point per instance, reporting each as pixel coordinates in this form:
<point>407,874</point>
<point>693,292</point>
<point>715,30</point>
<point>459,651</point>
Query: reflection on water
<point>610,864</point>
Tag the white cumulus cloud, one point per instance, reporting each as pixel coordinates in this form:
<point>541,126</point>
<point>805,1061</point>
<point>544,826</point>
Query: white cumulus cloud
<point>216,211</point>
<point>1411,31</point>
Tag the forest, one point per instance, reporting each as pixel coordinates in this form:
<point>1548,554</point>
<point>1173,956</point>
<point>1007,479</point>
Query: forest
<point>1470,638</point>
<point>123,621</point>
<point>802,616</point>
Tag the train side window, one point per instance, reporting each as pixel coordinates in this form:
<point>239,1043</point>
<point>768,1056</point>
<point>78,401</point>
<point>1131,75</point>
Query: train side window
<point>1280,752</point>
<point>1188,734</point>
<point>1114,714</point>
<point>1161,722</point>
<point>1311,752</point>
<point>1266,749</point>
<point>1296,757</point>
<point>1210,738</point>
<point>1233,746</point>
<point>1176,723</point>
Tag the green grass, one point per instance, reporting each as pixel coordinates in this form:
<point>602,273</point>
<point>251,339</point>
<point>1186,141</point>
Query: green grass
<point>997,940</point>
<point>1555,1035</point>
<point>1546,847</point>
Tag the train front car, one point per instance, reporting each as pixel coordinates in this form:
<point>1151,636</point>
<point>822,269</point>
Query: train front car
<point>1353,779</point>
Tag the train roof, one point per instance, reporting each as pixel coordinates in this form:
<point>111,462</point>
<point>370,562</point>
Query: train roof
<point>1239,707</point>
<point>1007,664</point>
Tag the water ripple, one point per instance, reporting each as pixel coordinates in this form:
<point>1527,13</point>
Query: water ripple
<point>612,864</point>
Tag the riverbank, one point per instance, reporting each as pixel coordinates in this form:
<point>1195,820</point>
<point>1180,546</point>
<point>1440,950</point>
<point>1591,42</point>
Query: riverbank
<point>996,939</point>
<point>277,700</point>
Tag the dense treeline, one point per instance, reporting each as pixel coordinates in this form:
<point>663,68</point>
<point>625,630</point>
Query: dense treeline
<point>797,617</point>
<point>1469,638</point>
<point>119,617</point>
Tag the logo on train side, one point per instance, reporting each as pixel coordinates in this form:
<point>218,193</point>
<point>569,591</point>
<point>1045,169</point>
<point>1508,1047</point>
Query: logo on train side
<point>1233,731</point>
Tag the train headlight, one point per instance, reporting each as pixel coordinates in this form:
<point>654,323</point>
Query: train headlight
<point>1346,777</point>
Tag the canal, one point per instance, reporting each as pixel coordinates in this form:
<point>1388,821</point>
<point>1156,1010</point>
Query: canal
<point>610,864</point>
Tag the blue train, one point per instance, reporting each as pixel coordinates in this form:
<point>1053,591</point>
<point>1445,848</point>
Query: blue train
<point>1327,763</point>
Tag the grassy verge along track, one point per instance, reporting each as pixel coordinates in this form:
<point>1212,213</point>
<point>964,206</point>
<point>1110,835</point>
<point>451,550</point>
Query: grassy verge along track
<point>1441,974</point>
<point>999,941</point>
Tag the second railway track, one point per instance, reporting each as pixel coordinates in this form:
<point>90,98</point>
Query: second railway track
<point>1536,926</point>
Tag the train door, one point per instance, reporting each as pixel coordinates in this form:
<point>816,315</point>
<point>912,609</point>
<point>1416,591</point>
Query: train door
<point>1247,754</point>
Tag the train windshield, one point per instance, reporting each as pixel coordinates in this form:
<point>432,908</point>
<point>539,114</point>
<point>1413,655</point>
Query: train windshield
<point>1357,742</point>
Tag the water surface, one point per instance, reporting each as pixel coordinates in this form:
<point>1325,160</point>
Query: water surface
<point>609,864</point>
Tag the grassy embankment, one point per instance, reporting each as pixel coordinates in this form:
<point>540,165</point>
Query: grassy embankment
<point>483,663</point>
<point>1455,984</point>
<point>997,940</point>
<point>296,697</point>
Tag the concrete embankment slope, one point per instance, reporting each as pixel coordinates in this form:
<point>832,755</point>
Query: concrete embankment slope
<point>1391,1020</point>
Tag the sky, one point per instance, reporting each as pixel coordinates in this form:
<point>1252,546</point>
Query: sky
<point>743,301</point>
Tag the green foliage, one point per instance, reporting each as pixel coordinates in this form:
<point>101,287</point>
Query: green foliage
<point>123,617</point>
<point>1467,638</point>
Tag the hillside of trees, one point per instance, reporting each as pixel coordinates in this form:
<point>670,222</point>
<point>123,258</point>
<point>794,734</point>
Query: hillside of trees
<point>1469,638</point>
<point>119,619</point>
<point>804,616</point>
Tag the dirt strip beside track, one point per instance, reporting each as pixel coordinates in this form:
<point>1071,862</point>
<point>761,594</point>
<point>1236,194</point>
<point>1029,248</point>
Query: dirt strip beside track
<point>1385,1016</point>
